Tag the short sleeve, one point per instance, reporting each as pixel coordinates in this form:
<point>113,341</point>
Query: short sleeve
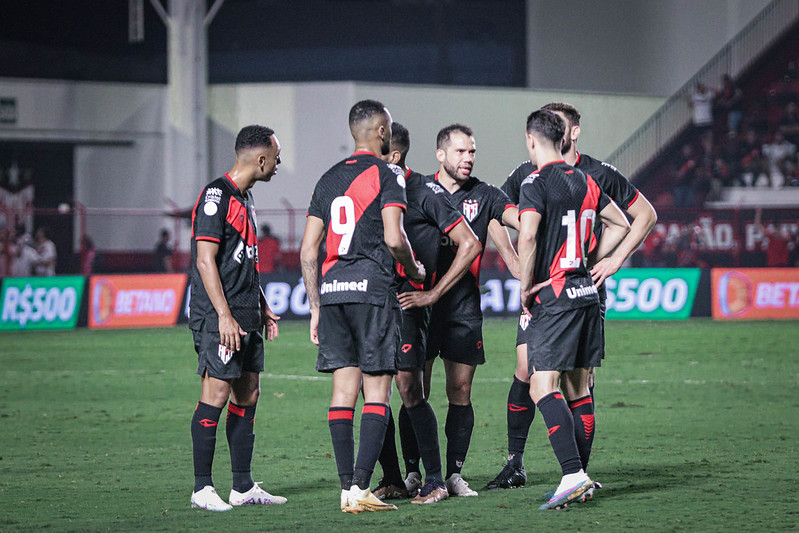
<point>440,211</point>
<point>499,203</point>
<point>532,195</point>
<point>209,219</point>
<point>392,186</point>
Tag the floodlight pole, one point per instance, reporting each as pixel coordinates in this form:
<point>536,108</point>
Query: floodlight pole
<point>186,130</point>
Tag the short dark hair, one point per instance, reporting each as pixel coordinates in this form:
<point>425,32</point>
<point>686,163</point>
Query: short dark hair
<point>443,136</point>
<point>400,138</point>
<point>547,124</point>
<point>567,109</point>
<point>254,136</point>
<point>365,109</point>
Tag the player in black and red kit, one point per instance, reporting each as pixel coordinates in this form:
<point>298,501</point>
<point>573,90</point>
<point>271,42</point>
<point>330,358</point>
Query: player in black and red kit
<point>357,208</point>
<point>429,217</point>
<point>520,408</point>
<point>558,206</point>
<point>228,312</point>
<point>456,324</point>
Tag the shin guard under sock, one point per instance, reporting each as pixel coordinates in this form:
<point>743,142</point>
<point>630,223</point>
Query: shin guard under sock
<point>340,421</point>
<point>425,427</point>
<point>388,455</point>
<point>408,441</point>
<point>560,426</point>
<point>458,428</point>
<point>203,440</point>
<point>374,420</point>
<point>240,430</point>
<point>583,415</point>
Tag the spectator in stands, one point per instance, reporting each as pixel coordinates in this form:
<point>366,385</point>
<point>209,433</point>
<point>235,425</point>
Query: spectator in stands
<point>22,251</point>
<point>731,100</point>
<point>750,160</point>
<point>269,258</point>
<point>789,123</point>
<point>756,118</point>
<point>780,156</point>
<point>88,256</point>
<point>162,256</point>
<point>701,101</point>
<point>46,254</point>
<point>684,178</point>
<point>777,242</point>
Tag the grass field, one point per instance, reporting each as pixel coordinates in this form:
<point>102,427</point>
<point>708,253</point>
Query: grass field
<point>697,430</point>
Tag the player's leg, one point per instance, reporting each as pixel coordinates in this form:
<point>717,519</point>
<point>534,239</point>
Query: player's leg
<point>425,428</point>
<point>581,404</point>
<point>391,485</point>
<point>459,424</point>
<point>520,415</point>
<point>214,394</point>
<point>340,418</point>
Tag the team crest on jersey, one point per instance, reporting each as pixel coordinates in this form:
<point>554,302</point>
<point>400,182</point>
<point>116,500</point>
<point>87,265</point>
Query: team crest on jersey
<point>470,208</point>
<point>436,188</point>
<point>524,321</point>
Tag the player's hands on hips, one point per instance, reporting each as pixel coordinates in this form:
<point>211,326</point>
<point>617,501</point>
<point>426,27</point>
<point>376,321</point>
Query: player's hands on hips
<point>528,296</point>
<point>420,273</point>
<point>269,321</point>
<point>230,333</point>
<point>409,300</point>
<point>315,326</point>
<point>604,269</point>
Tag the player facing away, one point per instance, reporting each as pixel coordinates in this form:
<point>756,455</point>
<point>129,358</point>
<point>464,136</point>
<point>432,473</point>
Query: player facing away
<point>457,319</point>
<point>429,217</point>
<point>357,208</point>
<point>520,408</point>
<point>228,313</point>
<point>558,206</point>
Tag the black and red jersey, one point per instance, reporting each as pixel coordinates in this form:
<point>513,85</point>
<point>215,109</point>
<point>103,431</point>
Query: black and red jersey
<point>609,179</point>
<point>222,214</point>
<point>479,202</point>
<point>430,216</point>
<point>349,199</point>
<point>568,202</point>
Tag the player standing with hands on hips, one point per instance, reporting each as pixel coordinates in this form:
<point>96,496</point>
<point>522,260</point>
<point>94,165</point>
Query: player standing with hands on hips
<point>558,206</point>
<point>228,312</point>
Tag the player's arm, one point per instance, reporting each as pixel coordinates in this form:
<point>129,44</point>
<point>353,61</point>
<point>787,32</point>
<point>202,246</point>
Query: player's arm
<point>510,217</point>
<point>309,262</point>
<point>268,317</point>
<point>616,230</point>
<point>501,238</point>
<point>468,250</point>
<point>644,219</point>
<point>229,330</point>
<point>529,221</point>
<point>398,244</point>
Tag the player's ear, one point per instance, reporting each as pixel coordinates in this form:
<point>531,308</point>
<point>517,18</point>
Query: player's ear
<point>440,155</point>
<point>394,156</point>
<point>575,132</point>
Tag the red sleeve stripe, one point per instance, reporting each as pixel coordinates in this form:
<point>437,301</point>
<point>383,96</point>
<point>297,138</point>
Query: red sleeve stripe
<point>375,409</point>
<point>508,206</point>
<point>637,194</point>
<point>346,414</point>
<point>451,226</point>
<point>235,409</point>
<point>558,396</point>
<point>204,238</point>
<point>401,206</point>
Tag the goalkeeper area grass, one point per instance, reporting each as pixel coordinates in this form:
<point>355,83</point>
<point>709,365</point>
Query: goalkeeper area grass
<point>697,430</point>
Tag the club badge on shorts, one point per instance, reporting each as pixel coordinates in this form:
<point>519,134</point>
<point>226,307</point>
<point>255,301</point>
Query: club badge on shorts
<point>224,354</point>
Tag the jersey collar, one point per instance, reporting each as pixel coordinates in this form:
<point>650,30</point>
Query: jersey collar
<point>551,163</point>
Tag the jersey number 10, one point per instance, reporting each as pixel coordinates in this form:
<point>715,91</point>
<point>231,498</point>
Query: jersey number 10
<point>573,240</point>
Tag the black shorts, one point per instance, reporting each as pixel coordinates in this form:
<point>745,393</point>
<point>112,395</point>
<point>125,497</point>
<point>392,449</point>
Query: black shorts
<point>359,334</point>
<point>457,341</point>
<point>565,341</point>
<point>220,362</point>
<point>413,343</point>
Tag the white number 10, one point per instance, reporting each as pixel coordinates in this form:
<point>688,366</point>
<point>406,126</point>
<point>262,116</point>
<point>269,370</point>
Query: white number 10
<point>343,225</point>
<point>569,220</point>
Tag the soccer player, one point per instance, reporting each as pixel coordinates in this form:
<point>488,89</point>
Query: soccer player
<point>227,316</point>
<point>357,208</point>
<point>558,206</point>
<point>520,408</point>
<point>429,217</point>
<point>456,326</point>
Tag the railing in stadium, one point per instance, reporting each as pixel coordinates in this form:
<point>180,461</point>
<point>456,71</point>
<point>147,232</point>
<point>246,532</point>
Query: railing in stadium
<point>673,116</point>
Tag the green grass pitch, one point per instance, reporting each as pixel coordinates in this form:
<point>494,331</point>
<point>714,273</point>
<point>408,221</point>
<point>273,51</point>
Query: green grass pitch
<point>697,430</point>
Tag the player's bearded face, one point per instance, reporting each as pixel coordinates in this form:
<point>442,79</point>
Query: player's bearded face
<point>459,157</point>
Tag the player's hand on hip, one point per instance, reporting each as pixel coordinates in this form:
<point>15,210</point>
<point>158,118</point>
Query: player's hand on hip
<point>528,296</point>
<point>604,269</point>
<point>409,300</point>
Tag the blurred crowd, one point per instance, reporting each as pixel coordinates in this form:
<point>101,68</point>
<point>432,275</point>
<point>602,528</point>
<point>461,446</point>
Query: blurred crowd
<point>23,254</point>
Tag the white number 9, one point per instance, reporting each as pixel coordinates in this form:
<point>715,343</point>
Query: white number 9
<point>342,221</point>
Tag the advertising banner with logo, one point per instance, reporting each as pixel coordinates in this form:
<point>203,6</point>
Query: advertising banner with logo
<point>41,303</point>
<point>652,293</point>
<point>755,293</point>
<point>135,301</point>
